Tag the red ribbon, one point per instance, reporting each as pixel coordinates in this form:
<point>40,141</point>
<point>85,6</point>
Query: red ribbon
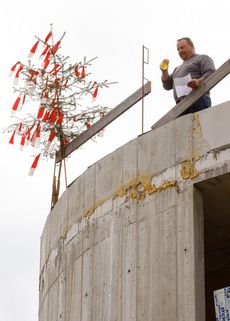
<point>55,69</point>
<point>60,119</point>
<point>65,83</point>
<point>23,139</point>
<point>48,36</point>
<point>95,93</point>
<point>45,50</point>
<point>76,72</point>
<point>11,141</point>
<point>46,116</point>
<point>53,116</point>
<point>14,66</point>
<point>55,48</point>
<point>23,99</point>
<point>34,48</point>
<point>16,104</point>
<point>19,70</point>
<point>51,136</point>
<point>40,112</point>
<point>34,164</point>
<point>83,72</point>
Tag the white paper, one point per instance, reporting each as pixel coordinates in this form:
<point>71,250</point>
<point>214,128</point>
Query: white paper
<point>181,86</point>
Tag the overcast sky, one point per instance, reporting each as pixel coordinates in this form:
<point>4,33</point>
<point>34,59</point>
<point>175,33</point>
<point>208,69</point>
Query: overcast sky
<point>115,32</point>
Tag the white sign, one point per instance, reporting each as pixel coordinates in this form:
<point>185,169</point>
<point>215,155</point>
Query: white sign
<point>222,304</point>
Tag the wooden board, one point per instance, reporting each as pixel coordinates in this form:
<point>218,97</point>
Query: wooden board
<point>107,119</point>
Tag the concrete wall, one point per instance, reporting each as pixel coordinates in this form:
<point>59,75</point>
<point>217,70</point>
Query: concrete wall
<point>125,242</point>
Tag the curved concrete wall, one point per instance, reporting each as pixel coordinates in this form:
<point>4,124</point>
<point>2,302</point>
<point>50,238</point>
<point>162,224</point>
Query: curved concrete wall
<point>124,242</point>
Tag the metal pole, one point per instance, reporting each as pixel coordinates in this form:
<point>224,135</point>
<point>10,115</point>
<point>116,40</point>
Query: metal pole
<point>142,100</point>
<point>143,81</point>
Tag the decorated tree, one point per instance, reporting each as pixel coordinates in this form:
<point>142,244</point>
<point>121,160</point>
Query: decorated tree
<point>53,89</point>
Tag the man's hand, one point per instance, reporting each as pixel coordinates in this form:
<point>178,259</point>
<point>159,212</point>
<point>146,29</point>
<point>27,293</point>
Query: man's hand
<point>194,83</point>
<point>164,68</point>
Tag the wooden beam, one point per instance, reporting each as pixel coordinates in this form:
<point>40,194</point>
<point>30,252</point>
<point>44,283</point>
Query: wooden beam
<point>196,94</point>
<point>104,121</point>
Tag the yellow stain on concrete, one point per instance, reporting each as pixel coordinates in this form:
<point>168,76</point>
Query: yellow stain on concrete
<point>196,137</point>
<point>139,187</point>
<point>167,184</point>
<point>188,170</point>
<point>89,212</point>
<point>197,129</point>
<point>136,189</point>
<point>149,188</point>
<point>199,145</point>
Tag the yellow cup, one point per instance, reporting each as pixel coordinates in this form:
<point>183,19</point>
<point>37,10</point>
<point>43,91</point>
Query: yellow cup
<point>164,64</point>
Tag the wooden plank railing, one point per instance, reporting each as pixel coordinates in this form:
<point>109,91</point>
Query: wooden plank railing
<point>196,94</point>
<point>104,121</point>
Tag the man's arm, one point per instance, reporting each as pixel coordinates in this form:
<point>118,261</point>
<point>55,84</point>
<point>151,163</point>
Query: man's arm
<point>207,67</point>
<point>165,77</point>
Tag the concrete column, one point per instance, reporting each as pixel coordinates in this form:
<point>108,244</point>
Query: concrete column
<point>190,257</point>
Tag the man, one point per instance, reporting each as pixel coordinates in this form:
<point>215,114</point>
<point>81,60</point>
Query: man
<point>189,75</point>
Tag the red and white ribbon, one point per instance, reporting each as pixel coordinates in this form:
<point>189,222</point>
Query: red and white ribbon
<point>48,36</point>
<point>55,69</point>
<point>53,115</point>
<point>50,139</point>
<point>65,83</point>
<point>46,116</point>
<point>16,78</point>
<point>11,141</point>
<point>76,72</point>
<point>83,72</point>
<point>34,165</point>
<point>45,51</point>
<point>35,139</point>
<point>60,119</point>
<point>23,102</point>
<point>40,112</point>
<point>55,48</point>
<point>95,93</point>
<point>16,104</point>
<point>23,140</point>
<point>33,49</point>
<point>13,68</point>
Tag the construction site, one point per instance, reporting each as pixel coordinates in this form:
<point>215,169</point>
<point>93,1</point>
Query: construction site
<point>143,233</point>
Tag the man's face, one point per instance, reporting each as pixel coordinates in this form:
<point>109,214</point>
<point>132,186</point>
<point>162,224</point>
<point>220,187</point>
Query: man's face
<point>185,50</point>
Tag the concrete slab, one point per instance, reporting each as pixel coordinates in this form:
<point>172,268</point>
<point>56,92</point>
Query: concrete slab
<point>152,146</point>
<point>215,126</point>
<point>89,190</point>
<point>76,201</point>
<point>129,163</point>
